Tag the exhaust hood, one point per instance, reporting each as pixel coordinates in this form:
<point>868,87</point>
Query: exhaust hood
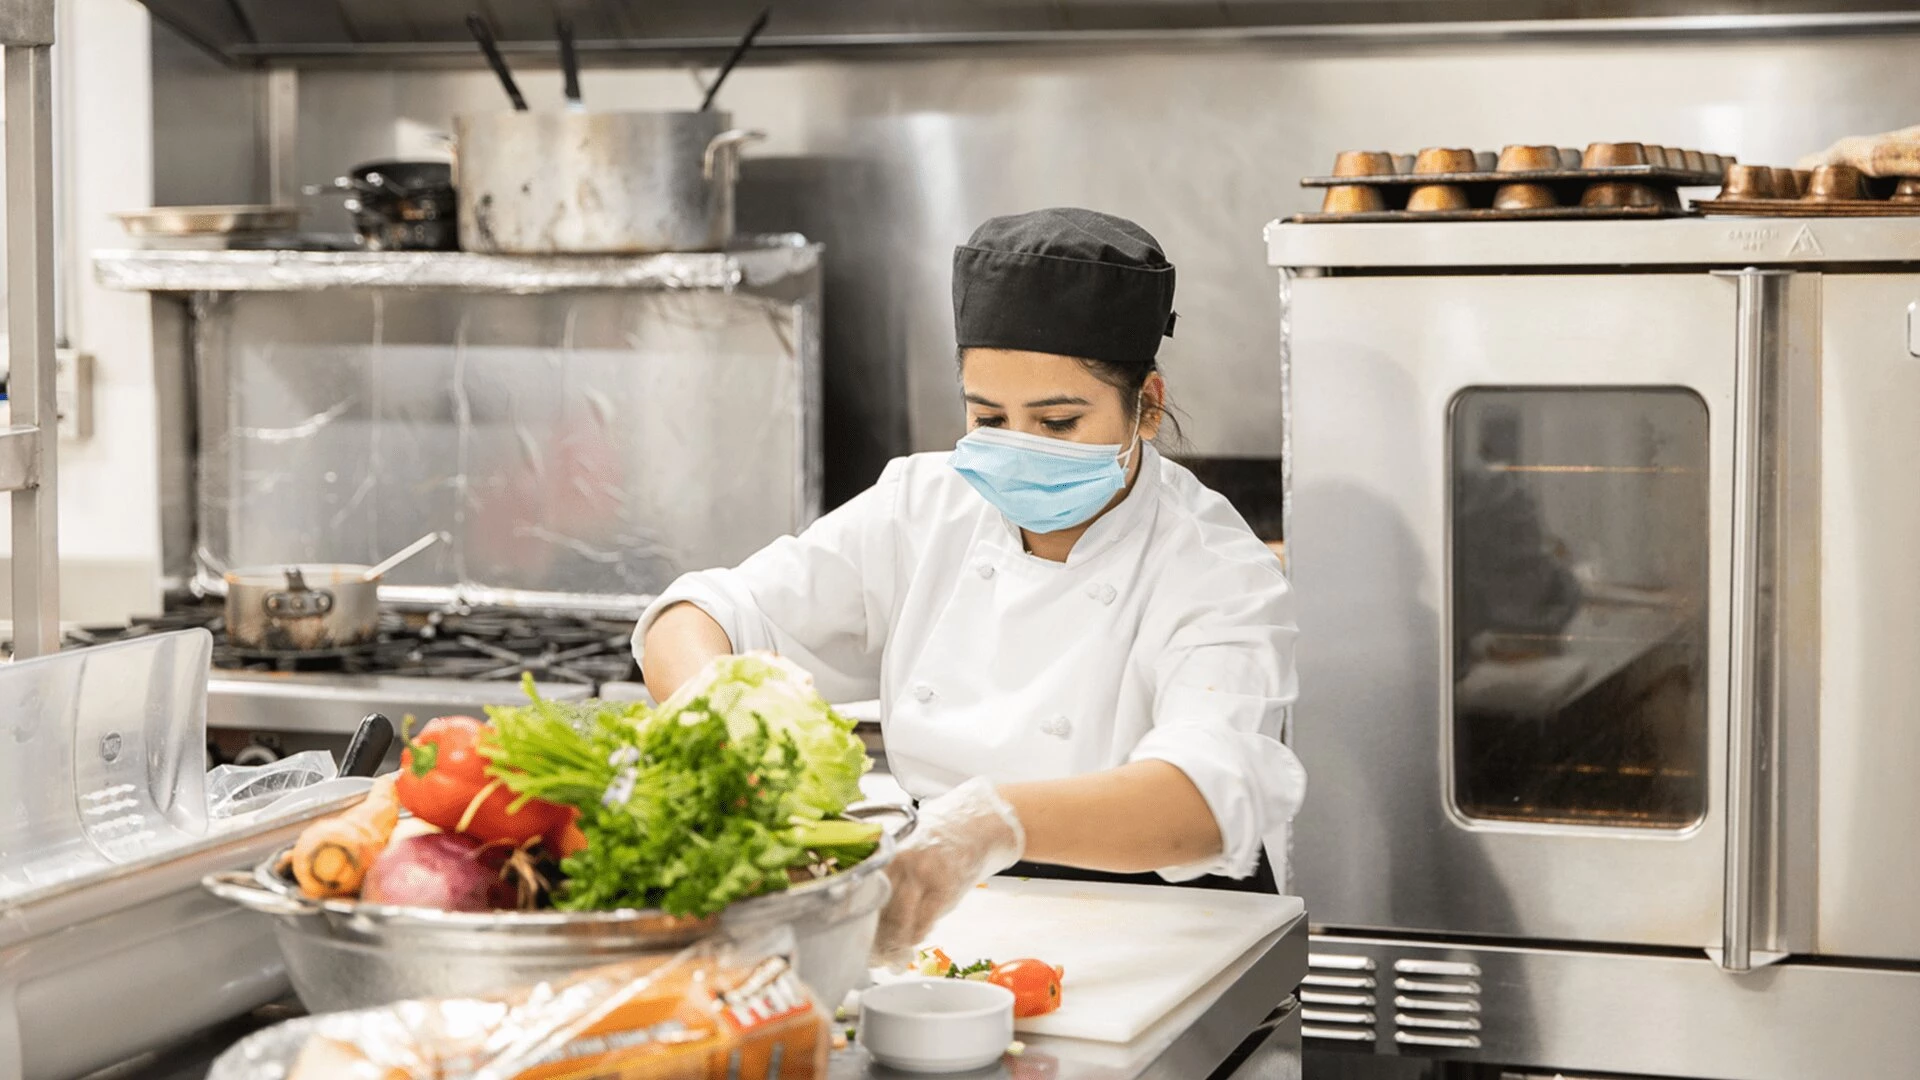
<point>412,32</point>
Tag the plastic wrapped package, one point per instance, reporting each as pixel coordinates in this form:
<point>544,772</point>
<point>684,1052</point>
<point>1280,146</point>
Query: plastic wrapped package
<point>719,1010</point>
<point>234,790</point>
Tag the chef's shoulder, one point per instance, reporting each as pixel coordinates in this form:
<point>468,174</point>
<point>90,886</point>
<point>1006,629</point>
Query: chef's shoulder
<point>1210,555</point>
<point>919,493</point>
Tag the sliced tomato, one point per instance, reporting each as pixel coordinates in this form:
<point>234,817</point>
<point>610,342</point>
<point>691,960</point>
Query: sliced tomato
<point>1035,985</point>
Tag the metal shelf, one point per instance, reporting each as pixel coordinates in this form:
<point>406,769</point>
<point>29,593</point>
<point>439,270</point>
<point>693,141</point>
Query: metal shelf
<point>27,447</point>
<point>756,262</point>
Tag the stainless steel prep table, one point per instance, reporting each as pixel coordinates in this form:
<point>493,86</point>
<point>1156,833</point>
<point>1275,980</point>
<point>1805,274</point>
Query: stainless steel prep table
<point>1188,1044</point>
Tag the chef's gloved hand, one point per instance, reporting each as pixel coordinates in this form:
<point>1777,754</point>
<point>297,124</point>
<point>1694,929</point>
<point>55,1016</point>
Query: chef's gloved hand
<point>1894,153</point>
<point>964,837</point>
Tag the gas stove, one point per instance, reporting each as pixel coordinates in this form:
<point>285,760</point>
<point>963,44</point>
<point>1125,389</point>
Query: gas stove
<point>423,664</point>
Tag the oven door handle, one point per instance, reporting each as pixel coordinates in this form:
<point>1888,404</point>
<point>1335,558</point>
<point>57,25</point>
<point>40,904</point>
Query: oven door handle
<point>1748,865</point>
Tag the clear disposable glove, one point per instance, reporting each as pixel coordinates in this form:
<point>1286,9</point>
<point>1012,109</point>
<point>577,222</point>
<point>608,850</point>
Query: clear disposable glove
<point>1894,153</point>
<point>964,837</point>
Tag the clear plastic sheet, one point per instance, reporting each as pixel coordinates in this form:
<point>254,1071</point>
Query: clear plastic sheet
<point>719,1009</point>
<point>582,449</point>
<point>105,759</point>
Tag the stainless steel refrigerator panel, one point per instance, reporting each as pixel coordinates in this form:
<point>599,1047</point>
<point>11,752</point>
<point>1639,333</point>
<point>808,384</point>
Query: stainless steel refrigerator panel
<point>1869,864</point>
<point>1381,371</point>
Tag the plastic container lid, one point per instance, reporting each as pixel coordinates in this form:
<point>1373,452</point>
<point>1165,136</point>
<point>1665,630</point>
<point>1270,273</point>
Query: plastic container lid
<point>104,758</point>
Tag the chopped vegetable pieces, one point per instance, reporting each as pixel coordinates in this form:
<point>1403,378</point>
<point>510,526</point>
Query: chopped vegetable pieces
<point>1035,985</point>
<point>332,856</point>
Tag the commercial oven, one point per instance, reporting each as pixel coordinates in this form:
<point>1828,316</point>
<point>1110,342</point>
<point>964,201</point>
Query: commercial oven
<point>1609,664</point>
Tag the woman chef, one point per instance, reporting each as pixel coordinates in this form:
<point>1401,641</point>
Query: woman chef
<point>1082,655</point>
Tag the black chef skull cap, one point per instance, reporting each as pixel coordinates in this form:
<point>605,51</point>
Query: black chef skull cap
<point>1065,281</point>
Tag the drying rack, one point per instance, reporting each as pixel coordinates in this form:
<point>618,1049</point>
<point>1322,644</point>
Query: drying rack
<point>27,444</point>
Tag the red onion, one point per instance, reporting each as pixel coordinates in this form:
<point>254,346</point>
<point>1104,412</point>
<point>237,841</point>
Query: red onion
<point>448,871</point>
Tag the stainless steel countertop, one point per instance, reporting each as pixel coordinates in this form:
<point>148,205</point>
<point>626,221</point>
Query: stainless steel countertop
<point>1187,1045</point>
<point>332,704</point>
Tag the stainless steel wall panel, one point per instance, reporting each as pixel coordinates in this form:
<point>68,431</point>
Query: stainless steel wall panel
<point>889,161</point>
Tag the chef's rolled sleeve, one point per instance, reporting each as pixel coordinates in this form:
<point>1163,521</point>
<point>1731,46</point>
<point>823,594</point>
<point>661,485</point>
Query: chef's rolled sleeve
<point>822,599</point>
<point>1223,692</point>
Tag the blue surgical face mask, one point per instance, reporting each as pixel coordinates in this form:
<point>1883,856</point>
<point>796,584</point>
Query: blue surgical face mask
<point>1042,485</point>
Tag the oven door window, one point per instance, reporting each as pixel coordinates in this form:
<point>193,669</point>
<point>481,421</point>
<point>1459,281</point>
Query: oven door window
<point>1580,540</point>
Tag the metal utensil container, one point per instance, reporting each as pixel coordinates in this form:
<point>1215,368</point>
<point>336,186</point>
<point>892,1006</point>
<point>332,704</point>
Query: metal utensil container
<point>343,954</point>
<point>536,183</point>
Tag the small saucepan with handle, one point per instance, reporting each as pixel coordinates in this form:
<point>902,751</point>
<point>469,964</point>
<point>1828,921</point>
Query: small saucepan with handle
<point>309,607</point>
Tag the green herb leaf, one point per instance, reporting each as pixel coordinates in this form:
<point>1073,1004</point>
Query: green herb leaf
<point>709,799</point>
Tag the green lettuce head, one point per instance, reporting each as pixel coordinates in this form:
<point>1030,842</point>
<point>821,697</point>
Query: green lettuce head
<point>780,693</point>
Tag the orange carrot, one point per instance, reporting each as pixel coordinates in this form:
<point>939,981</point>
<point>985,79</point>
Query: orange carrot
<point>334,854</point>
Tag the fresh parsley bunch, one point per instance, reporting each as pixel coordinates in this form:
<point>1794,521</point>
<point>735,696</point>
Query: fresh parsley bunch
<point>712,798</point>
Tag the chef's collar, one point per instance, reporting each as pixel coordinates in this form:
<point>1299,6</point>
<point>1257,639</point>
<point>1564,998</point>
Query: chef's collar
<point>1115,524</point>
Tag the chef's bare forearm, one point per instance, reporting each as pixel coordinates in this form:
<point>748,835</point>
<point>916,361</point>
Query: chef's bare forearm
<point>678,644</point>
<point>1130,820</point>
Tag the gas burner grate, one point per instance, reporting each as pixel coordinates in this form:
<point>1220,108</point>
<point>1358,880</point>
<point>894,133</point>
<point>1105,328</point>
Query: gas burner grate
<point>490,644</point>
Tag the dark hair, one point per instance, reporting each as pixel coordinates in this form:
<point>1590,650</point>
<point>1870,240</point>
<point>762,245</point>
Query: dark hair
<point>1128,379</point>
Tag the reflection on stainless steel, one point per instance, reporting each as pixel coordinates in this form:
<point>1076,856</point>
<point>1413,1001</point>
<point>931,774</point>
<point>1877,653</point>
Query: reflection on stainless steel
<point>584,429</point>
<point>1729,519</point>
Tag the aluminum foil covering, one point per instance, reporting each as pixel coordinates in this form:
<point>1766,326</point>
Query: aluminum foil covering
<point>756,263</point>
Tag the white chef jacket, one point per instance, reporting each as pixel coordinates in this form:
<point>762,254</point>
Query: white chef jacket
<point>1166,635</point>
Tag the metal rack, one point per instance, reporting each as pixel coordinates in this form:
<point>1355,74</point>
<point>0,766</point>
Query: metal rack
<point>27,444</point>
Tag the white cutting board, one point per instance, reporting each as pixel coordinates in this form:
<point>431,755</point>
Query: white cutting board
<point>1131,952</point>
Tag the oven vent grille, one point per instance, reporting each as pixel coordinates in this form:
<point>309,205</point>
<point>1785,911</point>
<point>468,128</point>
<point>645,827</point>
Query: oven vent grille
<point>1338,998</point>
<point>1436,1003</point>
